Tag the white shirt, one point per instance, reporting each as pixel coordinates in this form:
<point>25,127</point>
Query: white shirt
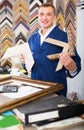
<point>43,37</point>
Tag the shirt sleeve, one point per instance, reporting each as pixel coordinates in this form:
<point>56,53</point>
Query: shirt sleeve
<point>73,73</point>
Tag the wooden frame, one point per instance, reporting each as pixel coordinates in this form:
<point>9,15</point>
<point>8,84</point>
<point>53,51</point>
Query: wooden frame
<point>8,103</point>
<point>66,48</point>
<point>58,43</point>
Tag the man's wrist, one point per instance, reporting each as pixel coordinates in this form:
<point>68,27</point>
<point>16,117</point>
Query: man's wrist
<point>73,73</point>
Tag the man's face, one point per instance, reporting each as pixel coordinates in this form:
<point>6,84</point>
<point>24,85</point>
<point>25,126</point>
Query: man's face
<point>46,17</point>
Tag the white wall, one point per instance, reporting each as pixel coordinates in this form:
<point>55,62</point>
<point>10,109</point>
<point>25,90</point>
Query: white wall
<point>77,84</point>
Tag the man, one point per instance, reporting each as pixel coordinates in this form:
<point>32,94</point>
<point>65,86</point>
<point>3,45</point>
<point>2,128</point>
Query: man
<point>44,69</point>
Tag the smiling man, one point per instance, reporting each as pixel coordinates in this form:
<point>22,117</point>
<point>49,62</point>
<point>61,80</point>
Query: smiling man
<point>44,68</point>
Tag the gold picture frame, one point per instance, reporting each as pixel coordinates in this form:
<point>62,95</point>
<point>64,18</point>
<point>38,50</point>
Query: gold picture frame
<point>42,88</point>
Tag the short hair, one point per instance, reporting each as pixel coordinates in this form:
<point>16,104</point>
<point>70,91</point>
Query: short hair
<point>48,5</point>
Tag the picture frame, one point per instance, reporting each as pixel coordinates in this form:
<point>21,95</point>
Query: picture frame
<point>37,89</point>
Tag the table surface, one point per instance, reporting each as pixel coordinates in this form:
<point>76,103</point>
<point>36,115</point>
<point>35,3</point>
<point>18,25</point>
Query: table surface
<point>53,126</point>
<point>77,127</point>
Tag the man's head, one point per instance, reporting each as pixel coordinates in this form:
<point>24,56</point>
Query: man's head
<point>46,5</point>
<point>46,15</point>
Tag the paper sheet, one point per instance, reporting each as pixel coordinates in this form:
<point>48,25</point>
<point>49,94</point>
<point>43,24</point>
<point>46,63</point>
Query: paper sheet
<point>20,49</point>
<point>22,91</point>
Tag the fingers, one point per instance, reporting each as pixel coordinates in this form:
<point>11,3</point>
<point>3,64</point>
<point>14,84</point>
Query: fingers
<point>67,61</point>
<point>22,58</point>
<point>65,58</point>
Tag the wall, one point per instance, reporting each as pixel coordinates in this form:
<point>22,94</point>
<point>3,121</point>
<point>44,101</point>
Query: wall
<point>77,84</point>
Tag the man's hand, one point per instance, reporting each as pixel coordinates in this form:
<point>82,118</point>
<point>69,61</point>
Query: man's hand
<point>67,61</point>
